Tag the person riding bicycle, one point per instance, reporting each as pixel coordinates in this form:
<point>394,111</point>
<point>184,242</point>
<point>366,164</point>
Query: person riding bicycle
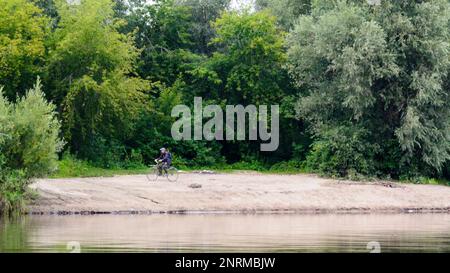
<point>164,160</point>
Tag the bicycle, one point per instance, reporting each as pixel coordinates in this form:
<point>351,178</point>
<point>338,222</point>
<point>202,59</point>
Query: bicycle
<point>170,173</point>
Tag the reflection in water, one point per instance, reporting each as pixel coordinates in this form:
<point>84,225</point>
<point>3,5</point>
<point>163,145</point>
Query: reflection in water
<point>13,234</point>
<point>228,233</point>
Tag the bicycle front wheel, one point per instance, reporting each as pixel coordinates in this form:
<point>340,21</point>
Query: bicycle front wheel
<point>153,174</point>
<point>172,174</point>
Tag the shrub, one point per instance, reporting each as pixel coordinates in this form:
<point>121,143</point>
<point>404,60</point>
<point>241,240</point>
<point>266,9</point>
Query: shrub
<point>29,143</point>
<point>12,190</point>
<point>343,151</point>
<point>103,152</point>
<point>34,141</point>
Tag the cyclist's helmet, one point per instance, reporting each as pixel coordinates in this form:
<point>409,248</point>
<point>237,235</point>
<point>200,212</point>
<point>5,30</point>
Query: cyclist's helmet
<point>162,149</point>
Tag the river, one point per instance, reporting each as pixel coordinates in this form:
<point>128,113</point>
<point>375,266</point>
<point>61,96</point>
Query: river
<point>228,233</point>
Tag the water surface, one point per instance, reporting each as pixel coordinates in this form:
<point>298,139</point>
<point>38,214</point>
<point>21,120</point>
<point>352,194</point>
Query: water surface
<point>227,233</point>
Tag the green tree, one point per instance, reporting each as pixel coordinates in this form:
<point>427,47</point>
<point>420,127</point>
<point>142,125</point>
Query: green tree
<point>378,69</point>
<point>91,73</point>
<point>30,133</point>
<point>49,8</point>
<point>164,34</point>
<point>29,143</point>
<point>203,13</point>
<point>163,37</point>
<point>286,11</point>
<point>23,30</point>
<point>246,69</point>
<point>250,62</point>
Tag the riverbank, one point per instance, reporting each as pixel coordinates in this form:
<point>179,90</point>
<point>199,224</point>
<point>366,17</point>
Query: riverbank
<point>237,192</point>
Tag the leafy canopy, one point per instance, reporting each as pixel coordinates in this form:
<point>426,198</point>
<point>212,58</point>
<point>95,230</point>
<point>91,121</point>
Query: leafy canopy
<point>91,72</point>
<point>23,30</point>
<point>382,69</point>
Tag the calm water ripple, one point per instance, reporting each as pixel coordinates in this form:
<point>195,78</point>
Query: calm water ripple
<point>227,233</point>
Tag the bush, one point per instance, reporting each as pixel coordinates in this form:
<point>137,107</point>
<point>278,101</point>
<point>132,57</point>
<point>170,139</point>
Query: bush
<point>12,190</point>
<point>343,151</point>
<point>103,152</point>
<point>29,143</point>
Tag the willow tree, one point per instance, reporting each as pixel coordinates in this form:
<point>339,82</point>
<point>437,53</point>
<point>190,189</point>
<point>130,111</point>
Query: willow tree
<point>376,85</point>
<point>91,76</point>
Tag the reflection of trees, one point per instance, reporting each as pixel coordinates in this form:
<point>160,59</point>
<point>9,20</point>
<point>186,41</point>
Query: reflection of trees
<point>13,234</point>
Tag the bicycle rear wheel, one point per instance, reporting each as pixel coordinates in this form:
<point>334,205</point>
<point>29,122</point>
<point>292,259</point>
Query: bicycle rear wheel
<point>172,174</point>
<point>154,173</point>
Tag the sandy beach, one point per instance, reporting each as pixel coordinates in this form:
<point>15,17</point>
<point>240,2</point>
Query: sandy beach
<point>233,193</point>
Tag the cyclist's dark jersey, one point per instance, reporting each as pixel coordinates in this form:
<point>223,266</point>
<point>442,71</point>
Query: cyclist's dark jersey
<point>166,158</point>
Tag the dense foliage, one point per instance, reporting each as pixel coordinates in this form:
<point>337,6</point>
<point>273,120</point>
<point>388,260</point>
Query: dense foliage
<point>29,143</point>
<point>23,31</point>
<point>363,88</point>
<point>90,75</point>
<point>382,74</point>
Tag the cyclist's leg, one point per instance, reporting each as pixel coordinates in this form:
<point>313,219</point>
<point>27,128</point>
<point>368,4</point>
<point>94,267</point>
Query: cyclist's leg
<point>165,167</point>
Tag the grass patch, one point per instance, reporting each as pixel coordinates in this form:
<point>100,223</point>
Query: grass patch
<point>288,167</point>
<point>428,181</point>
<point>71,167</point>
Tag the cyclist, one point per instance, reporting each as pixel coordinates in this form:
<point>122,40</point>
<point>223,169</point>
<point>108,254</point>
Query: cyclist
<point>164,160</point>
